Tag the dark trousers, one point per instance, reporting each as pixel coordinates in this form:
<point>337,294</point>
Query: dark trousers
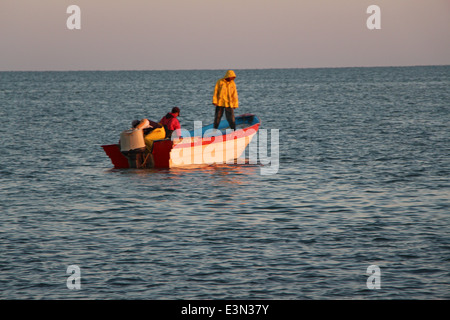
<point>229,113</point>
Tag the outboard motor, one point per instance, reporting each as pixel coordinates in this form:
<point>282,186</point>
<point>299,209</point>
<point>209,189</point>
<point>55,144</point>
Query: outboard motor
<point>132,146</point>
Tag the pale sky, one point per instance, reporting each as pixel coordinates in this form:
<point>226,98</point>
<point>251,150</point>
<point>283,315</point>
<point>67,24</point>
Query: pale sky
<point>221,34</point>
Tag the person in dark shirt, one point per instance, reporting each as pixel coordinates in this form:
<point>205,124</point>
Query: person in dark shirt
<point>171,123</point>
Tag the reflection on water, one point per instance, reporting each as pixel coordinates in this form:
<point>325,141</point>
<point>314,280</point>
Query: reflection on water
<point>226,173</point>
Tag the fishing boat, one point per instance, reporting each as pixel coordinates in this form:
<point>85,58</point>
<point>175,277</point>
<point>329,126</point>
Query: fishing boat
<point>201,146</point>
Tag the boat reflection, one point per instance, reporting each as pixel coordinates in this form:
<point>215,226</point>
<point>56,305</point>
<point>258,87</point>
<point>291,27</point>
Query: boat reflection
<point>233,173</point>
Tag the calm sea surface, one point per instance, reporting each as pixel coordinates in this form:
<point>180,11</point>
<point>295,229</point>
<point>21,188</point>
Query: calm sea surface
<point>363,179</point>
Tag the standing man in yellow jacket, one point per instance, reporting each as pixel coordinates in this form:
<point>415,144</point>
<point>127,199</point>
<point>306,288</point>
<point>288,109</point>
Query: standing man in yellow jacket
<point>225,98</point>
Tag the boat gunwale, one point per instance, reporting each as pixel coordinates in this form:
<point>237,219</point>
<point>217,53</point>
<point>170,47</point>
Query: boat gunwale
<point>236,134</point>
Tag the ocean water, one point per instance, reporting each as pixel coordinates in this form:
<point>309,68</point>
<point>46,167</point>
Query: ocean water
<point>363,179</point>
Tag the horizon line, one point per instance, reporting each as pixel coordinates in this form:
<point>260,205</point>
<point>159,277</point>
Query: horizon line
<point>219,69</point>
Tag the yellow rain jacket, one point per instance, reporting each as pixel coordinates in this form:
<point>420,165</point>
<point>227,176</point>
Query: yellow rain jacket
<point>225,93</point>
